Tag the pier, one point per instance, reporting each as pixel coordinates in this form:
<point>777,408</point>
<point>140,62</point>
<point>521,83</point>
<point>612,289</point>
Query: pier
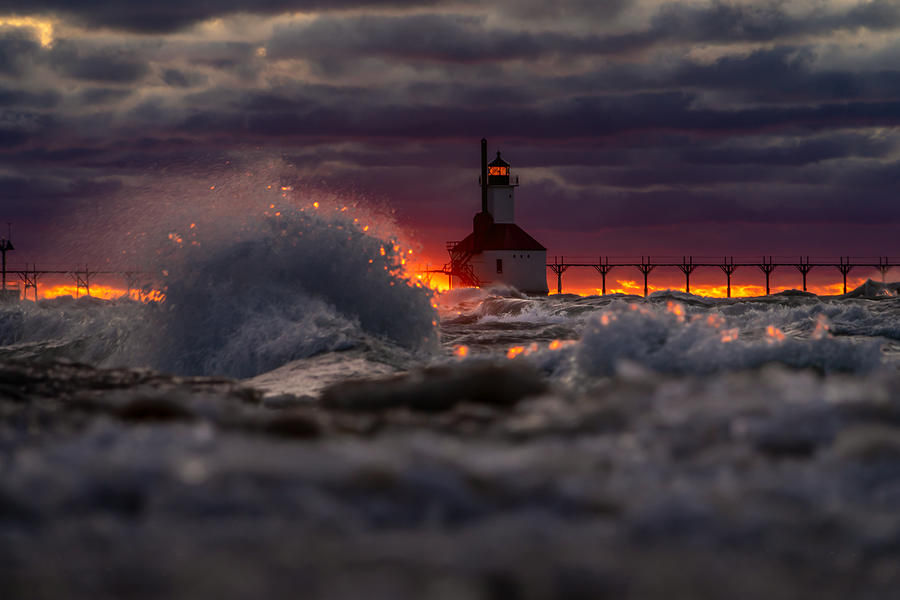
<point>727,264</point>
<point>27,278</point>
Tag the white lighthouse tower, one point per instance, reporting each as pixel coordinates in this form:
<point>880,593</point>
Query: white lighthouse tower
<point>498,250</point>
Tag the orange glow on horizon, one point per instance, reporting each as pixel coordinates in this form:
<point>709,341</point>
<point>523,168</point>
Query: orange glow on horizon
<point>103,292</point>
<point>435,282</point>
<point>438,282</point>
<point>636,288</point>
<point>588,285</point>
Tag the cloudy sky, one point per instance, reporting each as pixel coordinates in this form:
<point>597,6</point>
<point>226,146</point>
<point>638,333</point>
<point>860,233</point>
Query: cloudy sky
<point>636,127</point>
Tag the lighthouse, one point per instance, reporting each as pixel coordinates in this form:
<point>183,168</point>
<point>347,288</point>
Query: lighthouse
<point>498,251</point>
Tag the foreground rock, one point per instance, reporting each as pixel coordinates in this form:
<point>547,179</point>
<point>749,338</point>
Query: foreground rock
<point>453,483</point>
<point>438,388</point>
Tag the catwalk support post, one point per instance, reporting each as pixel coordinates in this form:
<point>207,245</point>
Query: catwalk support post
<point>767,268</point>
<point>844,267</point>
<point>30,280</point>
<point>728,268</point>
<point>645,267</point>
<point>603,268</point>
<point>559,267</point>
<point>883,267</point>
<point>804,268</point>
<point>82,280</point>
<point>687,267</point>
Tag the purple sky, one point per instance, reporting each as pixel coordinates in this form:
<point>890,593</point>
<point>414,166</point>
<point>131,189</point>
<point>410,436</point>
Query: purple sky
<point>639,127</point>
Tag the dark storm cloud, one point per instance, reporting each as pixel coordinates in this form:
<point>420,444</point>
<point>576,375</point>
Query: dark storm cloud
<point>692,113</point>
<point>787,74</point>
<point>109,64</point>
<point>851,176</point>
<point>18,50</point>
<point>34,197</point>
<point>182,79</point>
<point>10,138</point>
<point>95,96</point>
<point>760,203</point>
<point>166,16</point>
<point>467,38</point>
<point>578,118</point>
<point>795,152</point>
<point>41,157</point>
<point>431,37</point>
<point>439,37</point>
<point>22,125</point>
<point>220,55</point>
<point>562,9</point>
<point>766,21</point>
<point>12,97</point>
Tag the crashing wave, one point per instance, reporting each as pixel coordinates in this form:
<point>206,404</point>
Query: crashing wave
<point>874,290</point>
<point>284,288</point>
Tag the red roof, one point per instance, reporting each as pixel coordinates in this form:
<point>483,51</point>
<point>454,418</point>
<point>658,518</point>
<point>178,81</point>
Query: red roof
<point>501,236</point>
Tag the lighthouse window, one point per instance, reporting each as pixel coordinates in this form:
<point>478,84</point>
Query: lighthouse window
<point>499,265</point>
<point>499,171</point>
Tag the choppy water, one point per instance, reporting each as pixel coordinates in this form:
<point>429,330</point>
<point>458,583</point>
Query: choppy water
<point>280,336</point>
<point>480,444</point>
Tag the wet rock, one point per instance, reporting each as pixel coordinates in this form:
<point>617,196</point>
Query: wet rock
<point>438,389</point>
<point>153,408</point>
<point>783,446</point>
<point>356,423</point>
<point>294,424</point>
<point>282,401</point>
<point>14,508</point>
<point>870,443</point>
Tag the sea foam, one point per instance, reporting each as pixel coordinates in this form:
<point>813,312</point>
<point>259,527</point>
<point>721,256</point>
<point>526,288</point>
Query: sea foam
<point>670,338</point>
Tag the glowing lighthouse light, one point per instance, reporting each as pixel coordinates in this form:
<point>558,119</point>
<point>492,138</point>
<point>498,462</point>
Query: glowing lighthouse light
<point>498,168</point>
<point>498,250</point>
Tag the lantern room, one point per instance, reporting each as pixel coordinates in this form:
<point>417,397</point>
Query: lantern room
<point>498,171</point>
<point>500,191</point>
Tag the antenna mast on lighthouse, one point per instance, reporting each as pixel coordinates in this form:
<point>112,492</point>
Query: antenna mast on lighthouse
<point>484,179</point>
<point>6,246</point>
